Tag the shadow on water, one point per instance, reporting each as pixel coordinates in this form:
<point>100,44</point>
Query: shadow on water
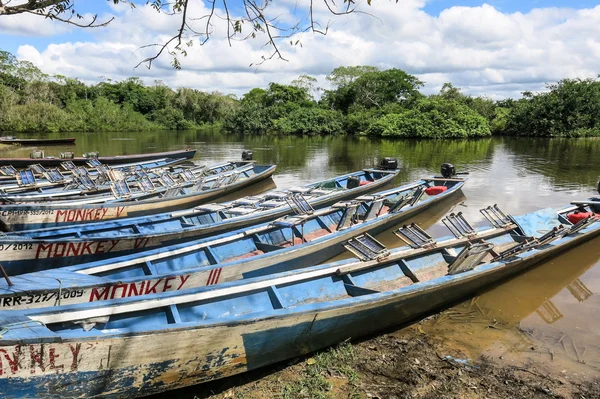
<point>546,315</point>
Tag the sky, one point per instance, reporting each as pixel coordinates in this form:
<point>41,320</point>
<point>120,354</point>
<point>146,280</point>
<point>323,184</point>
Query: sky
<point>497,48</point>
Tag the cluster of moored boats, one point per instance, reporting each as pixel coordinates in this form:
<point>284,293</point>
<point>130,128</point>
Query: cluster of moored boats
<point>125,280</point>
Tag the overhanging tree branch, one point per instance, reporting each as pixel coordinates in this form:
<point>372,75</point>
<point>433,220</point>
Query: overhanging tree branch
<point>253,14</point>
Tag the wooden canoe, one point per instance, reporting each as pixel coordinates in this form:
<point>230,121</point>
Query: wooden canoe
<point>27,216</point>
<point>10,180</point>
<point>14,140</point>
<point>285,244</point>
<point>212,219</point>
<point>143,345</point>
<point>100,192</point>
<point>109,160</point>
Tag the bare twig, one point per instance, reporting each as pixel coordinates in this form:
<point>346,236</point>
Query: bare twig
<point>177,37</point>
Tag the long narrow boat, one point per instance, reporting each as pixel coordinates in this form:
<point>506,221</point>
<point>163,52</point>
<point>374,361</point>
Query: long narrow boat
<point>15,140</point>
<point>64,188</point>
<point>285,244</point>
<point>6,180</point>
<point>215,218</point>
<point>212,218</point>
<point>23,216</point>
<point>94,191</point>
<point>138,346</point>
<point>109,160</point>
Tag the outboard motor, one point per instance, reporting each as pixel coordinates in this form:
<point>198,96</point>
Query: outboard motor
<point>388,163</point>
<point>36,154</point>
<point>353,182</point>
<point>448,170</point>
<point>247,155</point>
<point>598,187</point>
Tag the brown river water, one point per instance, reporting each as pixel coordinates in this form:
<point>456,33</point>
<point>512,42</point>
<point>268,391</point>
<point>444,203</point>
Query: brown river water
<point>549,315</point>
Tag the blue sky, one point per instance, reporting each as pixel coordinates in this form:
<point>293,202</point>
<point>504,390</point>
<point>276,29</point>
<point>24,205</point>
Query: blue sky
<point>485,49</point>
<point>433,7</point>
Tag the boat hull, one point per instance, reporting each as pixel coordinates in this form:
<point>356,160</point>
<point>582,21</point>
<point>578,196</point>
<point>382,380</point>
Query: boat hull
<point>68,140</point>
<point>117,159</point>
<point>51,256</point>
<point>23,217</point>
<point>138,364</point>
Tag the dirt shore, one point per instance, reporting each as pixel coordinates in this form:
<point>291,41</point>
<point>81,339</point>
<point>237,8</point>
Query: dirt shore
<point>413,362</point>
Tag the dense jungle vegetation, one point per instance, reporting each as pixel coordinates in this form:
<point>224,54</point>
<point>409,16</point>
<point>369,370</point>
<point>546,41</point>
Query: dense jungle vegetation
<point>362,100</point>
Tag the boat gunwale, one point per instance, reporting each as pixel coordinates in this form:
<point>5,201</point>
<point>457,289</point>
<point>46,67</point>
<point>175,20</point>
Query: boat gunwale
<point>159,253</point>
<point>193,212</point>
<point>59,205</point>
<point>527,259</point>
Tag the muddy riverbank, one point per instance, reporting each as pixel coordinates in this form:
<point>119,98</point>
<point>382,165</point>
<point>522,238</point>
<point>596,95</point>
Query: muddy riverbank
<point>408,363</point>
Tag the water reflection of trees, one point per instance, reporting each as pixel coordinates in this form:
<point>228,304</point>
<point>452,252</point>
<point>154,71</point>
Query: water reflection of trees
<point>567,162</point>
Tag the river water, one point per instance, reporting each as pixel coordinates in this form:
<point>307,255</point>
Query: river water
<point>549,315</point>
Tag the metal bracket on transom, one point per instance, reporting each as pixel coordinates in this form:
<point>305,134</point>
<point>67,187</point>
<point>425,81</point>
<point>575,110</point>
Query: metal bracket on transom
<point>458,225</point>
<point>496,217</point>
<point>299,204</point>
<point>366,248</point>
<point>415,236</point>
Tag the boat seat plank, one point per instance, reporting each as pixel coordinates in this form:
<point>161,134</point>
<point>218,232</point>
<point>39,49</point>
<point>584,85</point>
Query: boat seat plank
<point>173,315</point>
<point>267,247</point>
<point>388,285</point>
<point>212,258</point>
<point>149,268</point>
<point>245,256</point>
<point>275,297</point>
<point>425,268</point>
<point>354,290</point>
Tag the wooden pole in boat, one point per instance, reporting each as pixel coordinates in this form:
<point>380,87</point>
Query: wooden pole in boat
<point>10,284</point>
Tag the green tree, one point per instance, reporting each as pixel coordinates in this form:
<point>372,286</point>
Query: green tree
<point>308,84</point>
<point>432,118</point>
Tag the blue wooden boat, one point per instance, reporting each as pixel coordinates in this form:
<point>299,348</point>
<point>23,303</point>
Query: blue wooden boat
<point>288,243</point>
<point>108,160</point>
<point>47,177</point>
<point>170,197</point>
<point>94,187</point>
<point>85,188</point>
<point>169,228</point>
<point>143,345</point>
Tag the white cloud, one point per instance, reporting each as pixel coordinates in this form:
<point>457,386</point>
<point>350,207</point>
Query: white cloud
<point>31,25</point>
<point>480,49</point>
